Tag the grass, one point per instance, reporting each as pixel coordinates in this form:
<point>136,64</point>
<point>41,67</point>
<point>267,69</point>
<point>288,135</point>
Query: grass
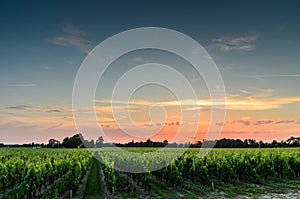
<point>93,186</point>
<point>163,191</point>
<point>244,190</point>
<point>255,190</point>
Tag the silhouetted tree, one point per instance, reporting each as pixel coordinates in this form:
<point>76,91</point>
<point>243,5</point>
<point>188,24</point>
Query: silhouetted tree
<point>166,142</point>
<point>99,142</point>
<point>53,143</point>
<point>73,142</point>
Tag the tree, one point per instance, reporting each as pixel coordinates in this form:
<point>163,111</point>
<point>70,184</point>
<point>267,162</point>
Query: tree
<point>253,143</point>
<point>274,143</point>
<point>75,141</point>
<point>262,144</point>
<point>293,141</point>
<point>92,144</point>
<point>166,142</point>
<point>52,143</point>
<point>99,142</point>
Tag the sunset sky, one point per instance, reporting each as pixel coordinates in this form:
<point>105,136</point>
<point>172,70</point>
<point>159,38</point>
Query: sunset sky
<point>255,44</point>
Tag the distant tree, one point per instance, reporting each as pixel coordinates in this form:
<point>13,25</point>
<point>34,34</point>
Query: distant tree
<point>52,143</point>
<point>246,144</point>
<point>92,144</point>
<point>166,142</point>
<point>274,143</point>
<point>198,144</point>
<point>89,144</point>
<point>240,143</point>
<point>75,141</point>
<point>293,141</point>
<point>253,143</point>
<point>262,144</point>
<point>99,142</point>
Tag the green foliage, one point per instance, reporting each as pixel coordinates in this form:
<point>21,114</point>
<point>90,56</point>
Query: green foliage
<point>27,171</point>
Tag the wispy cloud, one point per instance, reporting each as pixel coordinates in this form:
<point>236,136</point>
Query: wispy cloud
<point>53,111</point>
<point>241,43</point>
<point>172,123</point>
<point>6,113</point>
<point>38,122</point>
<point>19,107</point>
<point>258,92</point>
<point>220,123</point>
<point>261,77</point>
<point>256,101</point>
<point>74,37</point>
<point>260,122</point>
<point>295,75</point>
<point>244,122</point>
<point>77,42</point>
<point>37,109</point>
<point>284,121</point>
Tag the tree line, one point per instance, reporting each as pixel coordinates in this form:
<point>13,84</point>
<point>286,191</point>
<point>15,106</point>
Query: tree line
<point>78,141</point>
<point>222,143</point>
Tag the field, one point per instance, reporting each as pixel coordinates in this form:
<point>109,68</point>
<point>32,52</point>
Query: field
<point>77,173</point>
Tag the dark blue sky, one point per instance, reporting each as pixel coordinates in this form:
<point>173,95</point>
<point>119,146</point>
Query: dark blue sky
<point>255,44</point>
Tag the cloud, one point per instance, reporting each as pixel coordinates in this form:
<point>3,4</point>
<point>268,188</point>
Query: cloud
<point>258,92</point>
<point>39,122</point>
<point>77,42</point>
<point>244,122</point>
<point>53,111</point>
<point>6,113</point>
<point>37,109</point>
<point>220,123</point>
<point>292,75</point>
<point>19,107</point>
<point>262,104</point>
<point>172,123</point>
<point>260,122</point>
<point>261,77</point>
<point>242,43</point>
<point>110,109</point>
<point>255,101</point>
<point>105,126</point>
<point>284,121</point>
<point>73,37</point>
<point>197,108</point>
<point>258,99</point>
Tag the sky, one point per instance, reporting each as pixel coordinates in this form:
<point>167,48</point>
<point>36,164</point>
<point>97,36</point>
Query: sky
<point>255,45</point>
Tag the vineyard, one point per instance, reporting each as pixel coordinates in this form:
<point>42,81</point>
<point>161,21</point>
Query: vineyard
<point>41,173</point>
<point>57,173</point>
